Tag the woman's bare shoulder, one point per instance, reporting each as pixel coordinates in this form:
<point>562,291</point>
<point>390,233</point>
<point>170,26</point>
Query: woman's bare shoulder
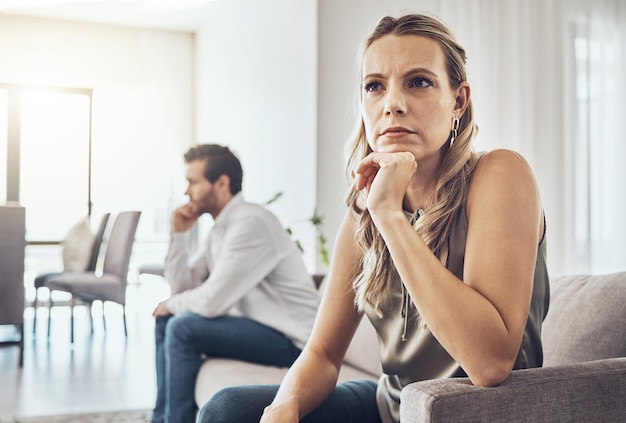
<point>502,166</point>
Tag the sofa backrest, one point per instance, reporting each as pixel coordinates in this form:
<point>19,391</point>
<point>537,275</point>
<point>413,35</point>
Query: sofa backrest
<point>363,352</point>
<point>586,319</point>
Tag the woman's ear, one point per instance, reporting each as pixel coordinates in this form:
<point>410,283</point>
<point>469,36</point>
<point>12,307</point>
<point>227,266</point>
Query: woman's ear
<point>461,99</point>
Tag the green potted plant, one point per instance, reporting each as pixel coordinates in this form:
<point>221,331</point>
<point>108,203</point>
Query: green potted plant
<point>317,220</point>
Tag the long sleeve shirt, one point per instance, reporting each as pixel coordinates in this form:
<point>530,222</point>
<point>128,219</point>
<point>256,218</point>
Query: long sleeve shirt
<point>250,267</point>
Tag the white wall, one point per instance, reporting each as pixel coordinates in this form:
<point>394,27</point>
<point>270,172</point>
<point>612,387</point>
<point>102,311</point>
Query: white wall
<point>256,91</point>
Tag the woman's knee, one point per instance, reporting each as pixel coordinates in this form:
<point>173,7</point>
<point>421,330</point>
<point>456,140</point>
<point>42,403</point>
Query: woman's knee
<point>219,408</point>
<point>238,404</point>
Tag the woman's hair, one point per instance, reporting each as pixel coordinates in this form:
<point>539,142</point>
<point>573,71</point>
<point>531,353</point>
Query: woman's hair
<point>219,160</point>
<point>458,161</point>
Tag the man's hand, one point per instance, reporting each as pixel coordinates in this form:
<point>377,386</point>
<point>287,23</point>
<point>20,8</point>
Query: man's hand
<point>161,310</point>
<point>184,218</point>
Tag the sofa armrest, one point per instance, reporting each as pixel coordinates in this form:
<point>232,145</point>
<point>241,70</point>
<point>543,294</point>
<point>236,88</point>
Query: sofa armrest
<point>585,392</point>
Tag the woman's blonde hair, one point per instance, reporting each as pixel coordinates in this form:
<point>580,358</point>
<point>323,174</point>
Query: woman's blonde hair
<point>458,161</point>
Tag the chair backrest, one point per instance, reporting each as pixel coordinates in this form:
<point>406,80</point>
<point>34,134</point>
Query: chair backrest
<point>120,244</point>
<point>97,243</point>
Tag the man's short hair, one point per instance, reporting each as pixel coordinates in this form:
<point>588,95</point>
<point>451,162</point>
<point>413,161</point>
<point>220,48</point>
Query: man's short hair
<point>219,160</point>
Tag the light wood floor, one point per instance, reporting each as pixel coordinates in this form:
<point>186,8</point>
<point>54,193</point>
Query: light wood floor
<point>99,372</point>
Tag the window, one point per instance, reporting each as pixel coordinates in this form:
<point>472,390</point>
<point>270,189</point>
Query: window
<point>76,152</point>
<point>54,180</point>
<point>45,144</point>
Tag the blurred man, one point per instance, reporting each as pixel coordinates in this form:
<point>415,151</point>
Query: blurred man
<point>247,295</point>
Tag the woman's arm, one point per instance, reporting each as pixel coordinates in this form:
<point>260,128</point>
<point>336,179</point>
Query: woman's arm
<point>480,320</point>
<point>313,376</point>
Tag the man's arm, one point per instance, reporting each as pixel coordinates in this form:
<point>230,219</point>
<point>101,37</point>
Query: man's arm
<point>248,254</point>
<point>181,272</point>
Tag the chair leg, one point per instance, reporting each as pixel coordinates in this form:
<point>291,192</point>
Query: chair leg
<point>124,317</point>
<point>21,362</point>
<point>104,320</point>
<point>90,316</point>
<point>49,314</point>
<point>35,311</point>
<point>72,302</point>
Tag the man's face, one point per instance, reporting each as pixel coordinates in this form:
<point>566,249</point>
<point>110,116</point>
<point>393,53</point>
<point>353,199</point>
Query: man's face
<point>202,193</point>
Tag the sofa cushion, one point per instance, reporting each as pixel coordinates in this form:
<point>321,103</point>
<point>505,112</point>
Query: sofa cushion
<point>218,373</point>
<point>363,352</point>
<point>77,247</point>
<point>586,319</point>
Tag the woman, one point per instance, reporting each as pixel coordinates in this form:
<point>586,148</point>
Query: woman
<point>451,266</point>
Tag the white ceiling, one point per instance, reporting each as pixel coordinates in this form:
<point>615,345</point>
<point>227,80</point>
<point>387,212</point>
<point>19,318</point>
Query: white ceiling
<point>178,15</point>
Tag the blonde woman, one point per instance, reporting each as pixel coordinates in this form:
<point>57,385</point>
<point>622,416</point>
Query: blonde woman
<point>450,267</point>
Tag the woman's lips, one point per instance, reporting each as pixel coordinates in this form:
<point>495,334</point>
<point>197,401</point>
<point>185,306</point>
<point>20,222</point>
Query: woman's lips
<point>396,131</point>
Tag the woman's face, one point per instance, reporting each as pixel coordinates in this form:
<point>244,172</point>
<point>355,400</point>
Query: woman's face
<point>407,102</point>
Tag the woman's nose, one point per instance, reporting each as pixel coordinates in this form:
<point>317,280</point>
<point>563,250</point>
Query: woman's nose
<point>395,104</point>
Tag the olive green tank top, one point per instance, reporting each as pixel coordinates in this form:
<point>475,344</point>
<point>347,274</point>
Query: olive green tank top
<point>420,356</point>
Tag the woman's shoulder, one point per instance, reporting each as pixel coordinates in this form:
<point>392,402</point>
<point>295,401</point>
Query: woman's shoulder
<point>503,183</point>
<point>501,156</point>
<point>502,172</point>
<point>503,163</point>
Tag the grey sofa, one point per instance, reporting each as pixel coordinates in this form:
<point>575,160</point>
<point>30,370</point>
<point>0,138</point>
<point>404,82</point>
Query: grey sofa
<point>583,378</point>
<point>584,373</point>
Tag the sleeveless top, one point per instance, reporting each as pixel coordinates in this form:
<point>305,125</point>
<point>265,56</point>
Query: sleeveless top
<point>420,356</point>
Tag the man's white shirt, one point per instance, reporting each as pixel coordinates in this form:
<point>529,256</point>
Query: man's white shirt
<point>249,266</point>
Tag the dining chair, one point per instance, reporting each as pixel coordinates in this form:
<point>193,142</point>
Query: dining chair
<point>110,285</point>
<point>41,281</point>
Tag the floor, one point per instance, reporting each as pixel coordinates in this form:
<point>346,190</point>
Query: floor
<point>103,371</point>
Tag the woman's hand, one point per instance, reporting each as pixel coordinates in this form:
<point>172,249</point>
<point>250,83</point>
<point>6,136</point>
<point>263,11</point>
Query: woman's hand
<point>385,177</point>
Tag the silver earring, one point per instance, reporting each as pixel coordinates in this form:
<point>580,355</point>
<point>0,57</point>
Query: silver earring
<point>455,130</point>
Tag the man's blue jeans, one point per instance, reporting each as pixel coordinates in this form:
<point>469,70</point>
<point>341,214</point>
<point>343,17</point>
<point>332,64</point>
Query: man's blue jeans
<point>350,402</point>
<point>184,341</point>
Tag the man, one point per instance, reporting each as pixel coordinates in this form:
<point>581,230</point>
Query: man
<point>247,295</point>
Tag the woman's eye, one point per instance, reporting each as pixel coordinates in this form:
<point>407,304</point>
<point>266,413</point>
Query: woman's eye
<point>421,82</point>
<point>371,86</point>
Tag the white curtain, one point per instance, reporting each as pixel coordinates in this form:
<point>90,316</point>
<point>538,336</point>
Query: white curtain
<point>548,81</point>
<point>596,195</point>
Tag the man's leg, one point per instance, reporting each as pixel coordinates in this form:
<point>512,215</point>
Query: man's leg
<point>189,336</point>
<point>158,414</point>
<point>350,402</point>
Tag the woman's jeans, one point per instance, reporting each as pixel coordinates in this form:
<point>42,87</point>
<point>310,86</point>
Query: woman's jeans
<point>184,341</point>
<point>350,402</point>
